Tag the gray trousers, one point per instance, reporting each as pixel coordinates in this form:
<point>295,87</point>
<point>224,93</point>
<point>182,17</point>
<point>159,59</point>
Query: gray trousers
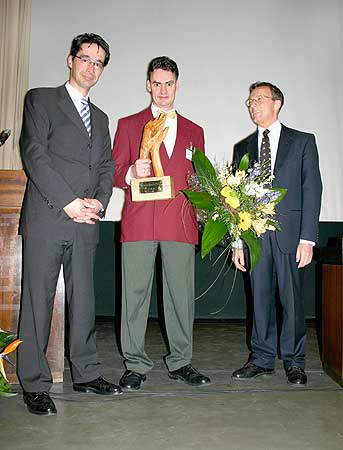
<point>138,261</point>
<point>42,260</point>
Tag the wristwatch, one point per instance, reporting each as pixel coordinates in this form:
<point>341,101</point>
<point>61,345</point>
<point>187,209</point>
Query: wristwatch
<point>101,213</point>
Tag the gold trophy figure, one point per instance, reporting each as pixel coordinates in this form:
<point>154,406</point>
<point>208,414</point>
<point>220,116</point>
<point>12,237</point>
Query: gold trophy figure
<point>159,187</point>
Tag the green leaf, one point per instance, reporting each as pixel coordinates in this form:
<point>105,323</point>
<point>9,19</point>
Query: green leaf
<point>274,223</point>
<point>254,247</point>
<point>282,191</point>
<point>6,338</point>
<point>201,200</point>
<point>244,163</point>
<point>214,232</point>
<point>204,169</point>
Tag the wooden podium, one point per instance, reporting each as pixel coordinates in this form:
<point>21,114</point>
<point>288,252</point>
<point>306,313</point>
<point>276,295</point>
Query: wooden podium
<point>12,187</point>
<point>332,316</point>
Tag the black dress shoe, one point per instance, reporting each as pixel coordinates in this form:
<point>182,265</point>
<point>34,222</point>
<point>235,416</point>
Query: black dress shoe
<point>98,386</point>
<point>250,370</point>
<point>132,380</point>
<point>190,376</point>
<point>296,376</point>
<point>39,403</point>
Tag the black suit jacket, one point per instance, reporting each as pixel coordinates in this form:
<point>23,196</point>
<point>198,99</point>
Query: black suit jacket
<point>62,163</point>
<point>297,170</point>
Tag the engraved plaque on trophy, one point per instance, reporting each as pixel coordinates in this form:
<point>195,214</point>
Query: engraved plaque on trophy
<point>159,187</point>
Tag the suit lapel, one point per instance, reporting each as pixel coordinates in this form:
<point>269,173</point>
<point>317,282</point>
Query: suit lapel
<point>252,147</point>
<point>183,139</point>
<point>68,107</point>
<point>283,148</point>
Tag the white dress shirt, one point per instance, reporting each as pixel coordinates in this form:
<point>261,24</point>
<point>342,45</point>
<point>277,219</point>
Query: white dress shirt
<point>274,137</point>
<point>169,140</point>
<point>76,96</point>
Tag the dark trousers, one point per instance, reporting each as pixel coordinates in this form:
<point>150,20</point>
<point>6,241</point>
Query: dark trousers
<point>276,269</point>
<point>42,260</point>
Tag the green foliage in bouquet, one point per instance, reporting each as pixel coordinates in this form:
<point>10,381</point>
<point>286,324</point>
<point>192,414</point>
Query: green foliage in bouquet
<point>233,205</point>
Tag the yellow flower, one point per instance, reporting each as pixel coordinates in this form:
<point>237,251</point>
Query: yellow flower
<point>269,209</point>
<point>225,191</point>
<point>232,201</point>
<point>245,221</point>
<point>259,226</point>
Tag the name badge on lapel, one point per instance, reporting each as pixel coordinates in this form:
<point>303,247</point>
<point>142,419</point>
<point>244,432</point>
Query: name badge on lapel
<point>189,152</point>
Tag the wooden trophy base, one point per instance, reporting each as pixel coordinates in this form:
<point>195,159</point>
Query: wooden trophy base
<point>152,188</point>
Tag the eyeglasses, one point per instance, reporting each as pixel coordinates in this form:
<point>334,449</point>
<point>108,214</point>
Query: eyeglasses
<point>88,60</point>
<point>258,100</point>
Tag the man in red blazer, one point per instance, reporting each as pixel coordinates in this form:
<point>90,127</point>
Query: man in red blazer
<point>168,224</point>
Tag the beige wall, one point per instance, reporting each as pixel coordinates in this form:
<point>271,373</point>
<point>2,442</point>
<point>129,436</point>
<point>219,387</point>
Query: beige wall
<point>221,47</point>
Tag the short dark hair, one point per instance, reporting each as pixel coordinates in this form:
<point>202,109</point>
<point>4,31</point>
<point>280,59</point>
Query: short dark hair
<point>89,38</point>
<point>276,92</point>
<point>164,63</point>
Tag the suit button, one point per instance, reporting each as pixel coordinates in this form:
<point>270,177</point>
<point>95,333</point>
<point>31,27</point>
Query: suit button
<point>50,205</point>
<point>90,167</point>
<point>89,146</point>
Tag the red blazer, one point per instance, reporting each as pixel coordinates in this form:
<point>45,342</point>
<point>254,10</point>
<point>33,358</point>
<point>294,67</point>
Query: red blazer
<point>159,220</point>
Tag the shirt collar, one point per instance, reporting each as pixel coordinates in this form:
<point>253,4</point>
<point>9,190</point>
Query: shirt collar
<point>74,93</point>
<point>155,110</point>
<point>273,128</point>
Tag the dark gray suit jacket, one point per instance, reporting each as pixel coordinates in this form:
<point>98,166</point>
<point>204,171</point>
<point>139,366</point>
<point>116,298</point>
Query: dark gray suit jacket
<point>297,170</point>
<point>62,163</point>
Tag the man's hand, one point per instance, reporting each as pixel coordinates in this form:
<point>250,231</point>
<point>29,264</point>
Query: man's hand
<point>304,254</point>
<point>141,168</point>
<point>83,210</point>
<point>74,208</point>
<point>238,259</point>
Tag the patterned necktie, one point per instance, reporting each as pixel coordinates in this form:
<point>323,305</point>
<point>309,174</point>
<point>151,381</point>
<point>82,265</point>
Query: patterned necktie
<point>85,114</point>
<point>265,155</point>
<point>171,114</point>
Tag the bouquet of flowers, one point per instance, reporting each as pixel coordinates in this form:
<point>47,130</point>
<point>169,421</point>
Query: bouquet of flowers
<point>8,343</point>
<point>233,204</point>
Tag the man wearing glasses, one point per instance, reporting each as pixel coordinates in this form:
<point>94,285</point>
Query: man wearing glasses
<point>292,158</point>
<point>66,151</point>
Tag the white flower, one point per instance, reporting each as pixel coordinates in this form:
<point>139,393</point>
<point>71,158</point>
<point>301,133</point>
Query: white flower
<point>233,181</point>
<point>254,189</point>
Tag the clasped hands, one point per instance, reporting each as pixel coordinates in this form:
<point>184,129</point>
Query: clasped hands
<point>84,210</point>
<point>149,155</point>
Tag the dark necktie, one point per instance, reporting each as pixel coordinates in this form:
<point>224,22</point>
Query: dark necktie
<point>86,114</point>
<point>265,155</point>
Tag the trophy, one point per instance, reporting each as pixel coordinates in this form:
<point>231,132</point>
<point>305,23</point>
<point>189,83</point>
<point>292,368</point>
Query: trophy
<point>159,187</point>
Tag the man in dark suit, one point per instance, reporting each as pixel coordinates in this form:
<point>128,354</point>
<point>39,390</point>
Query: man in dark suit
<point>293,159</point>
<point>147,225</point>
<point>66,151</point>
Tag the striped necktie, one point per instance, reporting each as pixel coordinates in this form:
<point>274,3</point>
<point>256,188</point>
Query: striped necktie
<point>85,114</point>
